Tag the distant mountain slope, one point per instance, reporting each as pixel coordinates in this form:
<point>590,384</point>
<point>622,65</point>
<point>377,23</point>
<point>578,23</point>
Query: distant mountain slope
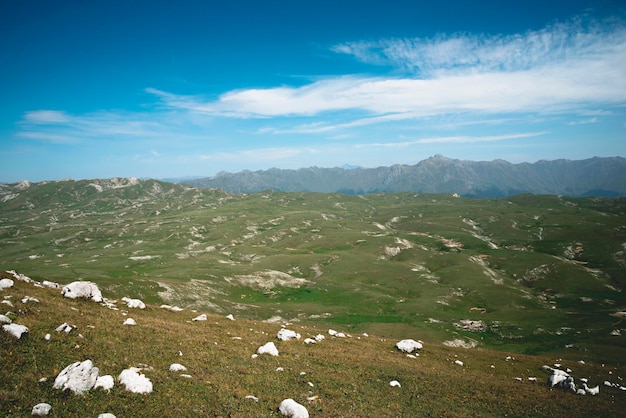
<point>592,177</point>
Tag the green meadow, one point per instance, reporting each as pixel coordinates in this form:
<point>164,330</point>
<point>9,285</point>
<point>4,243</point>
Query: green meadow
<point>541,274</point>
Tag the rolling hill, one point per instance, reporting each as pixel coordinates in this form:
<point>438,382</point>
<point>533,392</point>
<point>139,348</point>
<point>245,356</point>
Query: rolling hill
<point>528,274</point>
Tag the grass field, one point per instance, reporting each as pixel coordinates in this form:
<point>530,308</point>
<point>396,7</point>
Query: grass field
<point>543,273</point>
<point>339,377</point>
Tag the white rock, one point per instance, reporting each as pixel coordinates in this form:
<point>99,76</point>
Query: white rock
<point>135,382</point>
<point>287,335</point>
<point>77,377</point>
<point>332,332</point>
<point>269,348</point>
<point>562,379</point>
<point>319,337</point>
<point>41,409</point>
<point>20,276</point>
<point>408,346</point>
<point>51,285</point>
<point>176,367</point>
<point>231,317</point>
<point>171,308</point>
<point>105,382</point>
<point>591,391</point>
<point>310,341</point>
<point>130,321</point>
<point>394,383</point>
<point>27,299</point>
<point>64,327</point>
<point>459,362</point>
<point>86,290</point>
<point>6,283</point>
<point>134,303</point>
<point>293,409</point>
<point>202,317</point>
<point>15,330</point>
<point>5,319</point>
<point>254,398</point>
<point>47,337</point>
<point>106,415</point>
<point>340,335</point>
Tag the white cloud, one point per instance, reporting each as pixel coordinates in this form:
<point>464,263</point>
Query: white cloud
<point>63,128</point>
<point>579,37</point>
<point>46,117</point>
<point>562,68</point>
<point>453,140</point>
<point>49,137</point>
<point>259,154</point>
<point>583,121</point>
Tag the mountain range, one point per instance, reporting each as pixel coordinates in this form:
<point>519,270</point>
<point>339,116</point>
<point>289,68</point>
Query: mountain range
<point>598,176</point>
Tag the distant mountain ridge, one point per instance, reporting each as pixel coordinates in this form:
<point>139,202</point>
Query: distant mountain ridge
<point>598,176</point>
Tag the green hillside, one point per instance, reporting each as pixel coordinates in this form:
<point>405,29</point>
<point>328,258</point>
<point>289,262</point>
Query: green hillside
<point>536,274</point>
<point>336,377</point>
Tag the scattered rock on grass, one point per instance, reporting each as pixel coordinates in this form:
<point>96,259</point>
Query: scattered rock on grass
<point>77,377</point>
<point>6,283</point>
<point>171,308</point>
<point>64,327</point>
<point>293,409</point>
<point>394,383</point>
<point>269,348</point>
<point>105,382</point>
<point>134,303</point>
<point>135,382</point>
<point>202,317</point>
<point>287,334</point>
<point>130,321</point>
<point>41,409</point>
<point>50,285</point>
<point>409,345</point>
<point>15,330</point>
<point>87,290</point>
<point>562,379</point>
<point>176,367</point>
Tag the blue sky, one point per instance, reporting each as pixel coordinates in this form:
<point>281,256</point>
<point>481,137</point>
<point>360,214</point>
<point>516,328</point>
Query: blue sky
<point>161,89</point>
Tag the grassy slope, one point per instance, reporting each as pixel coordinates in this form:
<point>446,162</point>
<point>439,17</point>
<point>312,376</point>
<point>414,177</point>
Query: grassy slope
<point>138,240</point>
<point>350,376</point>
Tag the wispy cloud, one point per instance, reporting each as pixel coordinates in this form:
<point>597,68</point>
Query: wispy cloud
<point>60,127</point>
<point>579,38</point>
<point>453,140</point>
<point>563,68</point>
<point>260,154</point>
<point>583,121</point>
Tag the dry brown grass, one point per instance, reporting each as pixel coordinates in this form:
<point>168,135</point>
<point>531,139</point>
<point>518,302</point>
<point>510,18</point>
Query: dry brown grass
<point>349,376</point>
